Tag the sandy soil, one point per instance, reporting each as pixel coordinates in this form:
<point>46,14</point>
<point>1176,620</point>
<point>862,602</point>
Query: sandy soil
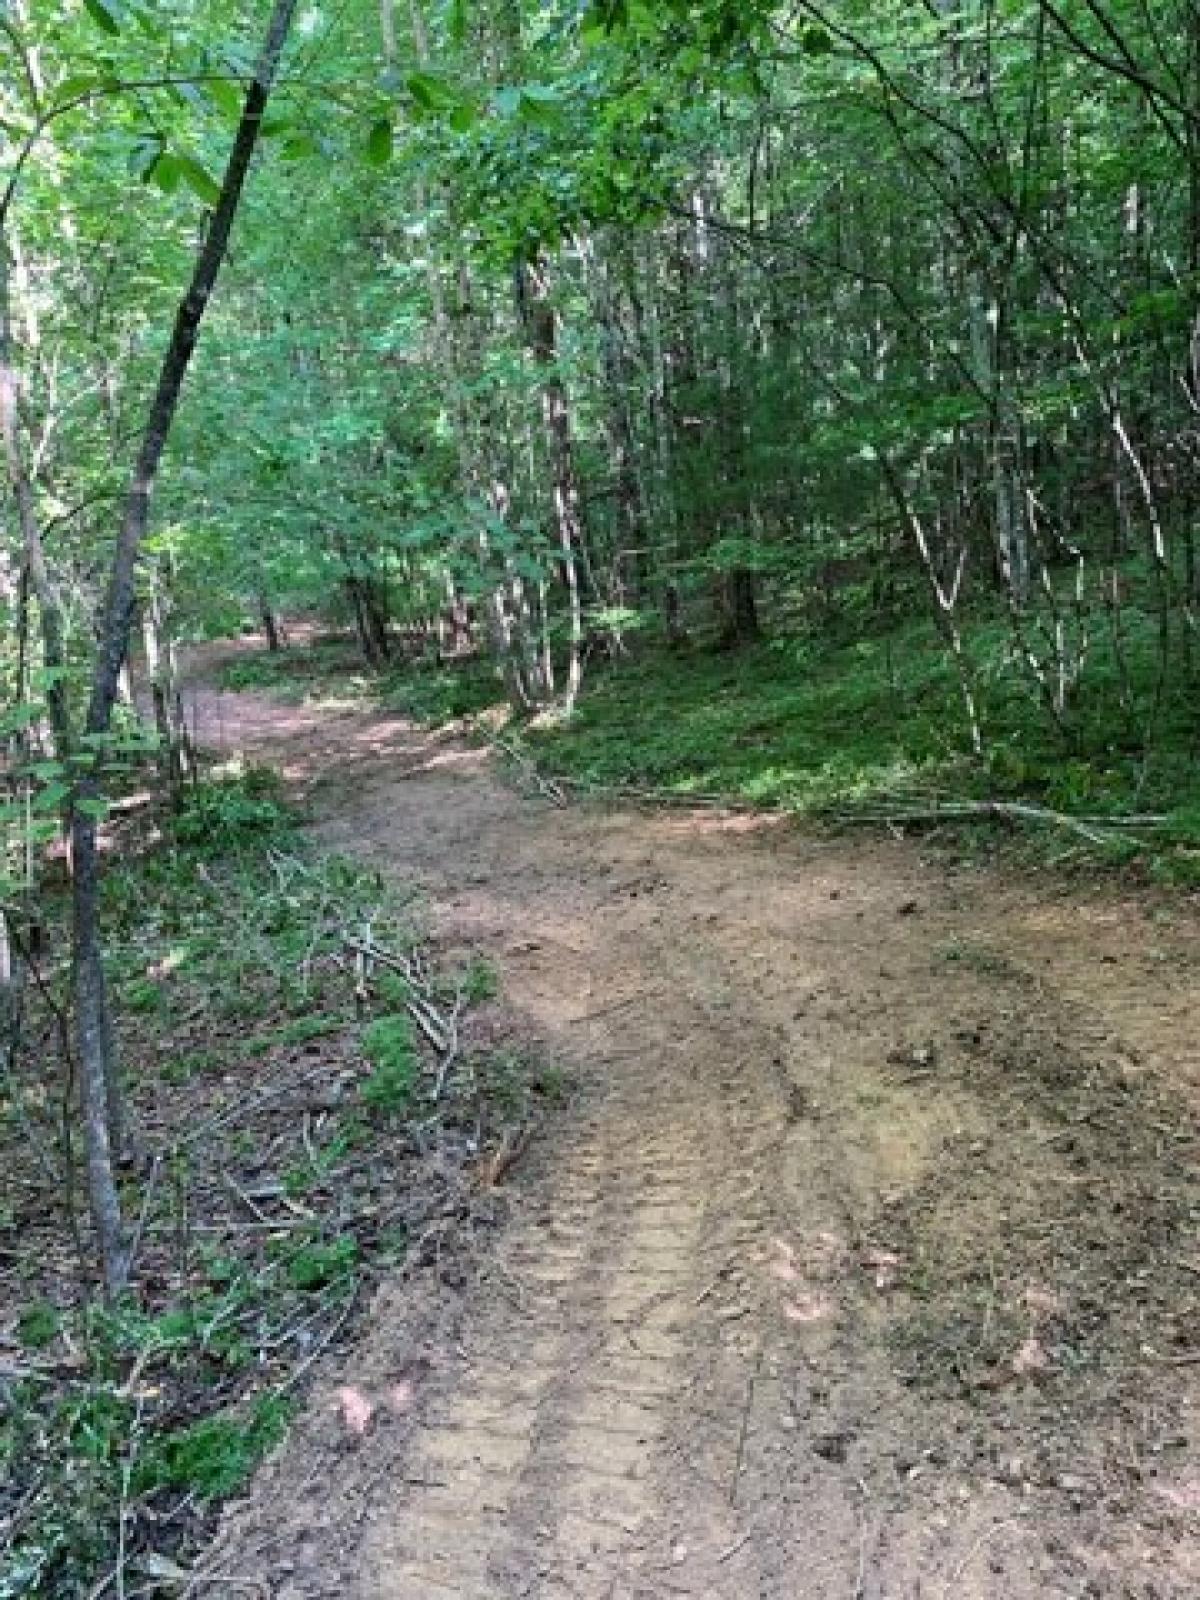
<point>863,1261</point>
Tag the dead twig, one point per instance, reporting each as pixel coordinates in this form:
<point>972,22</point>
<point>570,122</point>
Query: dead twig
<point>147,1198</point>
<point>323,1343</point>
<point>731,1550</point>
<point>419,1004</point>
<point>513,1144</point>
<point>227,1580</point>
<point>950,1587</point>
<point>551,788</point>
<point>451,1050</point>
<point>236,1189</point>
<point>1088,827</point>
<point>735,1480</point>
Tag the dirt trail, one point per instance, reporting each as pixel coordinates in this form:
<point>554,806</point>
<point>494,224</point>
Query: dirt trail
<point>863,1263</point>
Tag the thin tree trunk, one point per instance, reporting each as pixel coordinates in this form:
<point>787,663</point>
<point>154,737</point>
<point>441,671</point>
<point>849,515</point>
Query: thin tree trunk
<point>50,615</point>
<point>533,293</point>
<point>174,754</point>
<point>270,622</point>
<point>94,1035</point>
<point>739,605</point>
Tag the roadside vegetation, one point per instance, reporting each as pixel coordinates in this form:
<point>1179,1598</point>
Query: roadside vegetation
<point>846,718</point>
<point>311,1098</point>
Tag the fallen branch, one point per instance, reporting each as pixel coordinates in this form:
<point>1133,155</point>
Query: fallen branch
<point>512,1146</point>
<point>552,788</point>
<point>419,1004</point>
<point>1004,810</point>
<point>450,1054</point>
<point>441,1029</point>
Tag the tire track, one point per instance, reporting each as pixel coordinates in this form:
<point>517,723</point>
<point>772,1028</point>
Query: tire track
<point>673,1377</point>
<point>545,1468</point>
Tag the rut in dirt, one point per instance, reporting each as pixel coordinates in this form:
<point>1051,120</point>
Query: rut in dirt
<point>695,1363</point>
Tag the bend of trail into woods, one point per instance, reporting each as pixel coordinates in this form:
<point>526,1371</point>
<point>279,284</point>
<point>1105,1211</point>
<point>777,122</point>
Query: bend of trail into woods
<point>862,1261</point>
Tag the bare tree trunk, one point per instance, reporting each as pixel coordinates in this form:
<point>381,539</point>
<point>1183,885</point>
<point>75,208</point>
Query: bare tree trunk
<point>739,607</point>
<point>49,607</point>
<point>272,628</point>
<point>627,580</point>
<point>363,624</point>
<point>946,595</point>
<point>174,755</point>
<point>537,313</point>
<point>374,597</point>
<point>94,1034</point>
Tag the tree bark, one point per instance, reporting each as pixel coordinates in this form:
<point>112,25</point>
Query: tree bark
<point>50,615</point>
<point>739,605</point>
<point>271,625</point>
<point>537,313</point>
<point>94,1035</point>
<point>174,753</point>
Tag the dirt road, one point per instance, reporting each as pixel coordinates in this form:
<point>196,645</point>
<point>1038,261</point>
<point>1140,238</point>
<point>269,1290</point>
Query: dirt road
<point>863,1261</point>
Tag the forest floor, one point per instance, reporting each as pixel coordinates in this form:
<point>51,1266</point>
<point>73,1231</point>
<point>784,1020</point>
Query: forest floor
<point>863,1262</point>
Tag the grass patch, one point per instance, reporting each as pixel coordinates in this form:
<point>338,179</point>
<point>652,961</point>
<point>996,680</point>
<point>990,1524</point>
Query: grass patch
<point>390,1045</point>
<point>321,669</point>
<point>857,713</point>
<point>214,1458</point>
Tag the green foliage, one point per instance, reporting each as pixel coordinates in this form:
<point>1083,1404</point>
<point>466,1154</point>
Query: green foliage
<point>315,1266</point>
<point>390,1046</point>
<point>480,981</point>
<point>299,1030</point>
<point>855,713</point>
<point>140,994</point>
<point>213,1458</point>
<point>394,993</point>
<point>38,1325</point>
<point>443,694</point>
<point>227,812</point>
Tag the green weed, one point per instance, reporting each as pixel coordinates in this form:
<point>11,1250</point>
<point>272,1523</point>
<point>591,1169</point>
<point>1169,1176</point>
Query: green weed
<point>213,1458</point>
<point>223,813</point>
<point>315,1266</point>
<point>300,1030</point>
<point>38,1325</point>
<point>480,982</point>
<point>389,1044</point>
<point>393,991</point>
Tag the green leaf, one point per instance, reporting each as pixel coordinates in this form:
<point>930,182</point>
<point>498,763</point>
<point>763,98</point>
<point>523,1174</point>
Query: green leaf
<point>22,715</point>
<point>105,14</point>
<point>432,93</point>
<point>297,146</point>
<point>380,142</point>
<point>539,103</point>
<point>149,23</point>
<point>166,173</point>
<point>187,94</point>
<point>199,179</point>
<point>605,17</point>
<point>79,83</point>
<point>227,97</point>
<point>50,798</point>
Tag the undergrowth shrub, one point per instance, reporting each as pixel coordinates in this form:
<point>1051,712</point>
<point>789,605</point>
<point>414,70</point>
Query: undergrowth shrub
<point>213,1458</point>
<point>222,813</point>
<point>390,1046</point>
